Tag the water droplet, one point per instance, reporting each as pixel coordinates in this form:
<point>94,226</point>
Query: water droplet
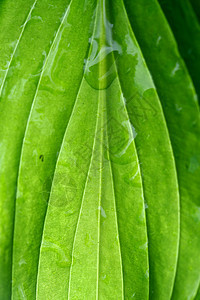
<point>175,69</point>
<point>158,40</point>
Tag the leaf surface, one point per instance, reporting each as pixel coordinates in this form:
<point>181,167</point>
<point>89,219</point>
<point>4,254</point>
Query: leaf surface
<point>179,103</point>
<point>197,297</point>
<point>13,22</point>
<point>23,51</point>
<point>87,147</point>
<point>10,34</point>
<point>86,251</point>
<point>186,29</point>
<point>51,108</point>
<point>76,236</point>
<point>196,7</point>
<point>147,118</point>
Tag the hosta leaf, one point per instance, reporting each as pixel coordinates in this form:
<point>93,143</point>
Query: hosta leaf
<point>85,148</point>
<point>86,250</point>
<point>69,182</point>
<point>179,103</point>
<point>186,29</point>
<point>97,178</point>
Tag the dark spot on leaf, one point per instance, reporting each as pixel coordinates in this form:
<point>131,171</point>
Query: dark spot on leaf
<point>41,157</point>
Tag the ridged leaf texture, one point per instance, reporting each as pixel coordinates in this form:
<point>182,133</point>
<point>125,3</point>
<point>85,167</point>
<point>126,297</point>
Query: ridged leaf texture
<point>99,150</point>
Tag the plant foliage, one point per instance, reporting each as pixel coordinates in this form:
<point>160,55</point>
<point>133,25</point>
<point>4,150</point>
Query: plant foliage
<point>99,150</point>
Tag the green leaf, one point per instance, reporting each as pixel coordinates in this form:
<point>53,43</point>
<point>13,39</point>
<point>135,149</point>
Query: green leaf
<point>197,297</point>
<point>99,137</point>
<point>22,57</point>
<point>196,7</point>
<point>97,181</point>
<point>12,23</point>
<point>73,181</point>
<point>186,29</point>
<point>179,103</point>
<point>156,159</point>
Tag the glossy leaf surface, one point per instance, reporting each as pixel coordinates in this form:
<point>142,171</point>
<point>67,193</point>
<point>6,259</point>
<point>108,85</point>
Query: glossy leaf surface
<point>179,103</point>
<point>146,116</point>
<point>19,84</point>
<point>51,108</point>
<point>9,36</point>
<point>76,225</point>
<point>91,150</point>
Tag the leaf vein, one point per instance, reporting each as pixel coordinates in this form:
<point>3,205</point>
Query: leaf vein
<point>82,198</point>
<point>16,47</point>
<point>116,219</point>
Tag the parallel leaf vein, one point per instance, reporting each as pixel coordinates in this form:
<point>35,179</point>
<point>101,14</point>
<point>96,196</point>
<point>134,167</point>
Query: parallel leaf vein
<point>83,196</point>
<point>116,218</point>
<point>16,46</point>
<point>62,144</point>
